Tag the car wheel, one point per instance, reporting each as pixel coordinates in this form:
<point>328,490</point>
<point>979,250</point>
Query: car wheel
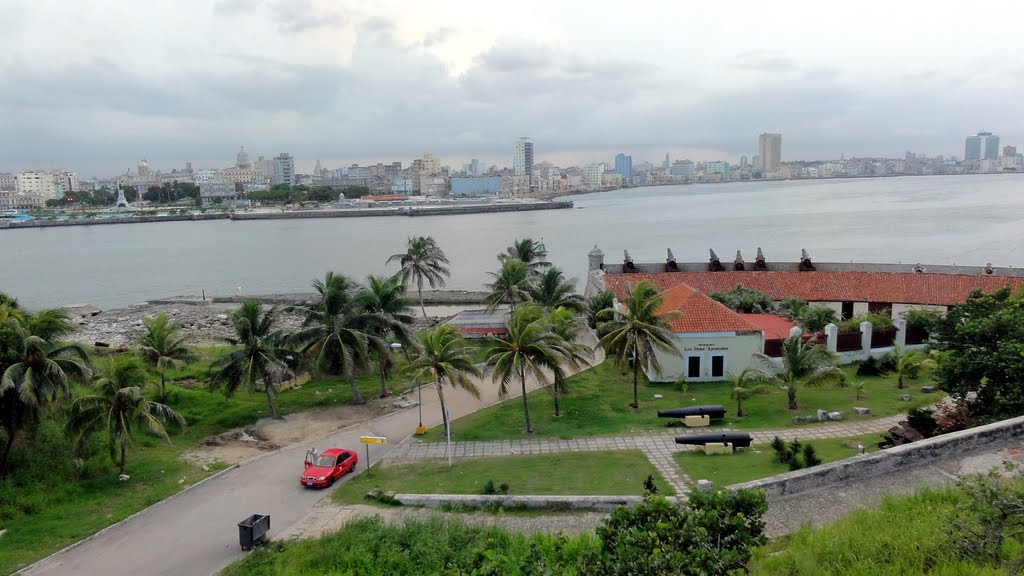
<point>330,481</point>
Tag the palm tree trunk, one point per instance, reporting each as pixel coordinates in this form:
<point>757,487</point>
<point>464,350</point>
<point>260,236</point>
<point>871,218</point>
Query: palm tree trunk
<point>7,454</point>
<point>636,375</point>
<point>739,407</point>
<point>526,405</point>
<point>271,400</point>
<point>419,290</point>
<point>163,386</point>
<point>899,380</point>
<point>791,393</point>
<point>123,455</point>
<point>555,388</point>
<point>357,398</point>
<point>444,410</point>
<point>384,393</point>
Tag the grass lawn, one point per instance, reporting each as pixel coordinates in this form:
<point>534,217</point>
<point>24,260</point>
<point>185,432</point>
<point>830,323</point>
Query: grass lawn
<point>597,404</point>
<point>43,516</point>
<point>758,461</point>
<point>614,472</point>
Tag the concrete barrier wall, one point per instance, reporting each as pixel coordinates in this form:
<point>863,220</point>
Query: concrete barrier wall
<point>857,468</point>
<point>519,502</point>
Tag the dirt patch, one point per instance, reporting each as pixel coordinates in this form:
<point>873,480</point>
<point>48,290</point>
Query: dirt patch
<point>241,444</point>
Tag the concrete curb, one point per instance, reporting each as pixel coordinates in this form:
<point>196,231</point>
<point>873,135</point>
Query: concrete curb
<point>602,503</point>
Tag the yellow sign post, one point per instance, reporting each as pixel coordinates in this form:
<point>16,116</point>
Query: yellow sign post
<point>367,440</point>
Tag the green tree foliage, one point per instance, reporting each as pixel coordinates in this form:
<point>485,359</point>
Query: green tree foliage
<point>597,304</point>
<point>171,192</point>
<point>745,384</point>
<point>119,409</point>
<point>909,364</point>
<point>714,534</point>
<point>529,252</point>
<point>815,318</point>
<point>746,300</point>
<point>386,312</point>
<point>983,344</point>
<point>264,356</point>
<point>444,358</point>
<point>338,335</point>
<point>529,348</point>
<point>566,326</point>
<point>509,285</point>
<point>552,290</point>
<point>355,191</point>
<point>636,333</point>
<point>422,261</point>
<point>803,363</point>
<point>793,308</point>
<point>163,346</point>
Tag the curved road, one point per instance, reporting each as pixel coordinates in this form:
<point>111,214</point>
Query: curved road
<point>196,534</point>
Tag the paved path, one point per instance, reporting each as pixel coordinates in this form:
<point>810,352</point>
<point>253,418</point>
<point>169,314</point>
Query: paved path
<point>658,447</point>
<point>195,533</point>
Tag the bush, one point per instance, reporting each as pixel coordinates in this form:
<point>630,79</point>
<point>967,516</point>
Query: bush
<point>490,488</point>
<point>922,420</point>
<point>810,456</point>
<point>794,308</point>
<point>923,319</point>
<point>713,534</point>
<point>817,317</point>
<point>746,300</point>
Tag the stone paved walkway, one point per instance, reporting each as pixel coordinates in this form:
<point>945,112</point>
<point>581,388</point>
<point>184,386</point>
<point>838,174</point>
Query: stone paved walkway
<point>659,447</point>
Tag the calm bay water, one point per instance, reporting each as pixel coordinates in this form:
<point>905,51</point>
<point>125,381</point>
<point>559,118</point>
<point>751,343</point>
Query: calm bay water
<point>941,220</point>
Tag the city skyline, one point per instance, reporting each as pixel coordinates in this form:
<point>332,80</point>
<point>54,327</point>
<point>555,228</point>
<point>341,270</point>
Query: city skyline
<point>396,79</point>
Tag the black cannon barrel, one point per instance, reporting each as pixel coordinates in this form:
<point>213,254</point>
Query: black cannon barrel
<point>737,439</point>
<point>714,411</point>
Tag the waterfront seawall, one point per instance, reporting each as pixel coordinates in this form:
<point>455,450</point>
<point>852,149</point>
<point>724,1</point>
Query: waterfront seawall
<point>410,211</point>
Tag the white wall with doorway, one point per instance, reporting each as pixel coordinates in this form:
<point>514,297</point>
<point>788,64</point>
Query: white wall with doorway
<point>707,356</point>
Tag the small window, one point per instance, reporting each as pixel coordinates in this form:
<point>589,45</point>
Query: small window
<point>342,457</point>
<point>717,366</point>
<point>693,367</point>
<point>847,311</point>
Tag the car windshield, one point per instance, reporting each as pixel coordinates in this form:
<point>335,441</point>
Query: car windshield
<point>324,461</point>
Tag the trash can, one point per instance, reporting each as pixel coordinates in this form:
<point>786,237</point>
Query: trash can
<point>253,530</point>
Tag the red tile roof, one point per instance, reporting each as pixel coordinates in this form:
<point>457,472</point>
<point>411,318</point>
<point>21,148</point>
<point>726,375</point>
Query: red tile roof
<point>774,327</point>
<point>699,313</point>
<point>884,287</point>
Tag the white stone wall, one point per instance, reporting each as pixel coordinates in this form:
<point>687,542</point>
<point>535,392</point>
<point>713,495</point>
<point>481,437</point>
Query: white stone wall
<point>737,349</point>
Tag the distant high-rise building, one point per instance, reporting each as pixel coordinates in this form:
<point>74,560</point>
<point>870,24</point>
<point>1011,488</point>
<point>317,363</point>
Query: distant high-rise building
<point>1009,151</point>
<point>665,163</point>
<point>242,160</point>
<point>981,146</point>
<point>474,167</point>
<point>284,169</point>
<point>769,152</point>
<point>522,163</point>
<point>624,167</point>
<point>744,162</point>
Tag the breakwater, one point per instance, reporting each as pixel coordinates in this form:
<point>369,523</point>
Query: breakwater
<point>410,211</point>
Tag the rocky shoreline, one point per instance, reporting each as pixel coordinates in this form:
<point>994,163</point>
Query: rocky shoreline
<point>208,321</point>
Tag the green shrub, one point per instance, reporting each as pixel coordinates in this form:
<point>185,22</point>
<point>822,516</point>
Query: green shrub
<point>746,300</point>
<point>922,420</point>
<point>815,318</point>
<point>811,458</point>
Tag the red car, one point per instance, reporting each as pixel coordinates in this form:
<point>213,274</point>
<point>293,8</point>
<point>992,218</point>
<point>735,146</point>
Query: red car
<point>324,468</point>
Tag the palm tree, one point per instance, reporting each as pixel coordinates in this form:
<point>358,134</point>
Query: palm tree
<point>338,337</point>
<point>511,284</point>
<point>163,347</point>
<point>804,363</point>
<point>566,325</point>
<point>264,354</point>
<point>743,385</point>
<point>37,369</point>
<point>387,313</point>
<point>443,358</point>
<point>530,347</point>
<point>120,409</point>
<point>637,333</point>
<point>597,304</point>
<point>909,364</point>
<point>552,290</point>
<point>422,260</point>
<point>529,252</point>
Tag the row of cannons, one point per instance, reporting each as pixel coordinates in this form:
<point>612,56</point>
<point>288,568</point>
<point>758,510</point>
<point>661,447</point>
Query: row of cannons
<point>715,263</point>
<point>713,443</point>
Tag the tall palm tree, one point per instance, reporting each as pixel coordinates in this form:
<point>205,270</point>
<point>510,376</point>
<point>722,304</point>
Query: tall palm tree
<point>530,347</point>
<point>264,354</point>
<point>163,346</point>
<point>444,358</point>
<point>803,363</point>
<point>387,310</point>
<point>120,409</point>
<point>552,290</point>
<point>566,325</point>
<point>37,369</point>
<point>909,364</point>
<point>597,304</point>
<point>638,332</point>
<point>338,337</point>
<point>743,385</point>
<point>422,260</point>
<point>511,284</point>
<point>529,252</point>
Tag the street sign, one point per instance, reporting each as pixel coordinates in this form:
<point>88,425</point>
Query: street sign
<point>373,439</point>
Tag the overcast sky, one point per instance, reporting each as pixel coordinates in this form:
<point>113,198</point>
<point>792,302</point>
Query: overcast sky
<point>93,86</point>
